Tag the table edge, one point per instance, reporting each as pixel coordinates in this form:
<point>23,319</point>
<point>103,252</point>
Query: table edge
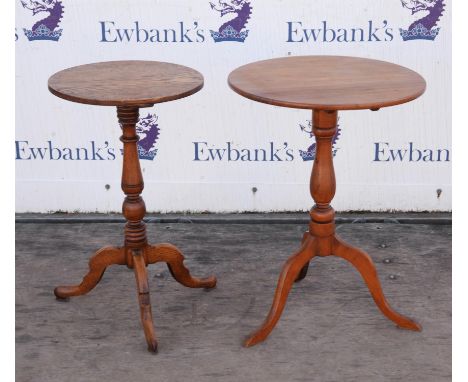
<point>293,105</point>
<point>139,102</point>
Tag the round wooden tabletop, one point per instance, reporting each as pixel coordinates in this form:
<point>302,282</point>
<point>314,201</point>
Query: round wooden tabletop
<point>125,83</point>
<point>327,83</point>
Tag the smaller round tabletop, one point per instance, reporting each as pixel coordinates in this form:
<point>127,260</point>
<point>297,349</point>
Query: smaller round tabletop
<point>125,83</point>
<point>327,83</point>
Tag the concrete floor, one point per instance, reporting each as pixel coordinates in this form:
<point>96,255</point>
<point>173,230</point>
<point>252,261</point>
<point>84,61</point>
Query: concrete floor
<point>330,331</point>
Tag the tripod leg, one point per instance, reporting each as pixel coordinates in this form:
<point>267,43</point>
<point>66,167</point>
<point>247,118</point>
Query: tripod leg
<point>141,277</point>
<point>363,263</point>
<point>97,266</point>
<point>288,275</point>
<point>305,268</point>
<point>171,255</point>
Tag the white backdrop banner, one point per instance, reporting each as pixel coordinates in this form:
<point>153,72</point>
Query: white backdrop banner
<point>216,151</point>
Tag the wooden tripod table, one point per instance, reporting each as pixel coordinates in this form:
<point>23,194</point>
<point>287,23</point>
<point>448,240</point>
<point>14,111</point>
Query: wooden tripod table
<point>131,85</point>
<point>326,84</point>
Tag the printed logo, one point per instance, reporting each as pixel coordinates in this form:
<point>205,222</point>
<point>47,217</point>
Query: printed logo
<point>50,14</point>
<point>383,152</point>
<point>92,151</point>
<point>327,32</point>
<point>148,130</point>
<point>311,150</point>
<point>235,15</point>
<point>234,29</point>
<point>268,152</point>
<point>427,14</point>
<point>182,32</point>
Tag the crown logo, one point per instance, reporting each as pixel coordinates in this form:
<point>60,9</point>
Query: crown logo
<point>42,33</point>
<point>426,15</point>
<point>47,27</point>
<point>148,155</point>
<point>311,151</point>
<point>235,28</point>
<point>419,32</point>
<point>229,34</point>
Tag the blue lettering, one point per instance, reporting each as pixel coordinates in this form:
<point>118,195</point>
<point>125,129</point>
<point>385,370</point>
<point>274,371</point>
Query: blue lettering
<point>291,31</point>
<point>314,33</point>
<point>38,152</point>
<point>428,156</point>
<point>52,150</point>
<point>200,35</point>
<point>138,31</point>
<point>199,151</point>
<point>274,153</point>
<point>20,149</point>
<point>389,33</point>
<point>184,32</point>
<point>96,153</point>
<point>411,151</point>
<point>354,31</point>
<point>395,154</point>
<point>230,151</point>
<point>343,37</point>
<point>105,32</point>
<point>379,151</point>
<point>290,155</point>
<point>78,150</point>
<point>127,33</point>
<point>111,153</point>
<point>216,153</point>
<point>326,31</point>
<point>439,154</point>
<point>373,31</point>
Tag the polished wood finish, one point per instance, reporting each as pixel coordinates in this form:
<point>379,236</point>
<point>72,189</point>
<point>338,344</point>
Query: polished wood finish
<point>289,274</point>
<point>305,268</point>
<point>98,264</point>
<point>363,263</point>
<point>136,253</point>
<point>125,83</point>
<point>326,84</point>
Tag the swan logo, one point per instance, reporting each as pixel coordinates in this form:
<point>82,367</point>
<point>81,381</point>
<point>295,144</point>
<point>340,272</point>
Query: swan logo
<point>49,14</point>
<point>238,12</point>
<point>311,151</point>
<point>426,15</point>
<point>148,131</point>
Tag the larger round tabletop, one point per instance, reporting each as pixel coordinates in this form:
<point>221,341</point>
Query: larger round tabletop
<point>327,82</point>
<point>125,83</point>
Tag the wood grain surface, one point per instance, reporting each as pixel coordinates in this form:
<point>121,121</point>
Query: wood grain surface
<point>125,83</point>
<point>327,82</point>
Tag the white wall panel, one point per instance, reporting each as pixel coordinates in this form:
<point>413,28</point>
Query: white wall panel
<point>215,117</point>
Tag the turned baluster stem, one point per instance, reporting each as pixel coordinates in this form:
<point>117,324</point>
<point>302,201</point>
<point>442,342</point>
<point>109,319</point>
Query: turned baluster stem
<point>133,207</point>
<point>322,181</point>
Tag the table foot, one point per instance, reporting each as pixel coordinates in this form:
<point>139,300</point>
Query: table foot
<point>289,274</point>
<point>97,266</point>
<point>363,263</point>
<point>171,255</point>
